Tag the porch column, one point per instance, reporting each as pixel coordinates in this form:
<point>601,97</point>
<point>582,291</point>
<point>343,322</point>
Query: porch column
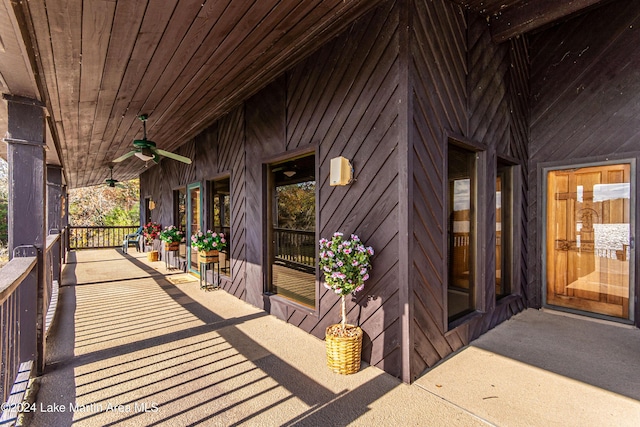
<point>54,199</point>
<point>27,213</point>
<point>55,210</point>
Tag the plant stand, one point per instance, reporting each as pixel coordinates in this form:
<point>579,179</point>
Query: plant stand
<point>173,248</point>
<point>343,349</point>
<point>208,260</point>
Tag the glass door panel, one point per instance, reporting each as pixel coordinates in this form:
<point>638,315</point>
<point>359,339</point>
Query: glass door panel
<point>292,232</point>
<point>588,239</point>
<point>194,222</point>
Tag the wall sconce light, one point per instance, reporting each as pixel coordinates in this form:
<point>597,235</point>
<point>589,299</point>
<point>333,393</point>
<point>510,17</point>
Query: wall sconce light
<point>152,205</point>
<point>341,171</point>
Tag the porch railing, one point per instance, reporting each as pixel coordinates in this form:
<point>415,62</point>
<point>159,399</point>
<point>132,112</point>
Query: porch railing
<point>295,249</point>
<point>28,296</point>
<point>99,236</point>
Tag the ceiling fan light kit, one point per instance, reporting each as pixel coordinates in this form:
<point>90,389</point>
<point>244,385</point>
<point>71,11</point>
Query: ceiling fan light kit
<point>146,150</point>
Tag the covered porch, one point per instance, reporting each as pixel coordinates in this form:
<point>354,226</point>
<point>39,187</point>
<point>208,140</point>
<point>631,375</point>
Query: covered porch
<point>406,91</point>
<point>136,344</point>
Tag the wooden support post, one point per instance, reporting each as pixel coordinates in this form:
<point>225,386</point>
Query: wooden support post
<point>27,214</point>
<point>55,212</point>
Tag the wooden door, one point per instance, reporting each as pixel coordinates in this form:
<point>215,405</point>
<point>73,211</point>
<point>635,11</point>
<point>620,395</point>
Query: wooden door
<point>588,236</point>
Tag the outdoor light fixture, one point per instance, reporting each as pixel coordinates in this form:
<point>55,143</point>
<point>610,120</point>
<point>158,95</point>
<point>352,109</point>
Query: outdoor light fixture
<point>152,205</point>
<point>341,171</point>
<point>145,154</point>
<point>289,173</point>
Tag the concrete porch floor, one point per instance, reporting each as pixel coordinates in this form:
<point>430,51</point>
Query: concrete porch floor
<point>128,347</point>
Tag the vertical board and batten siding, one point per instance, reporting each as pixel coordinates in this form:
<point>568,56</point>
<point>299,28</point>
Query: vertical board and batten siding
<point>585,102</point>
<point>462,84</point>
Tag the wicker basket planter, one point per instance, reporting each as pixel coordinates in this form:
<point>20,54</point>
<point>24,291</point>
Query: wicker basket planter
<point>344,348</point>
<point>173,246</point>
<point>153,256</point>
<point>208,256</point>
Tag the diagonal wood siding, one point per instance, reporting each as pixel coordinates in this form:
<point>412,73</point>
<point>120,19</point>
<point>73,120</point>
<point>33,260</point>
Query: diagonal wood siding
<point>464,85</point>
<point>358,96</point>
<point>439,91</point>
<point>585,102</point>
<point>340,100</point>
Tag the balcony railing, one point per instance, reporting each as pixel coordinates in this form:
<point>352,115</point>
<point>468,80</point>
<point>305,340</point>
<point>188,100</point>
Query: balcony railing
<point>28,297</point>
<point>295,249</point>
<point>99,236</point>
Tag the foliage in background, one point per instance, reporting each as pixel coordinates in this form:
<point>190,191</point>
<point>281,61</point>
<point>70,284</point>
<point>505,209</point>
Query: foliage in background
<point>4,200</point>
<point>4,207</point>
<point>297,206</point>
<point>104,205</point>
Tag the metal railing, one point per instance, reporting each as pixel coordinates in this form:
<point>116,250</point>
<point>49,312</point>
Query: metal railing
<point>295,248</point>
<point>96,237</point>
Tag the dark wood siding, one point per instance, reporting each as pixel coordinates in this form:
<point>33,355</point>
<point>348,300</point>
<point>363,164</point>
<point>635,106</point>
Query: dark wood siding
<point>585,101</point>
<point>218,150</point>
<point>463,85</point>
<point>385,94</point>
<point>341,100</point>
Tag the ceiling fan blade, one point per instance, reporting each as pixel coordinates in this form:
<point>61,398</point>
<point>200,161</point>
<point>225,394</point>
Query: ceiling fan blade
<point>173,156</point>
<point>124,157</point>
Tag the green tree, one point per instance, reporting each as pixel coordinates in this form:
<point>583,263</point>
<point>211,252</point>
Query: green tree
<point>103,205</point>
<point>4,202</point>
<point>297,206</point>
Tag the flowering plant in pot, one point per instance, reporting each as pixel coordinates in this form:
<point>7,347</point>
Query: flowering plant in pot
<point>208,245</point>
<point>208,241</point>
<point>171,234</point>
<point>150,231</point>
<point>345,264</point>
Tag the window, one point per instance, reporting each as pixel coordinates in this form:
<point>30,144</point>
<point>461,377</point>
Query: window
<point>504,229</point>
<point>461,231</point>
<point>180,215</point>
<point>291,215</point>
<point>220,220</point>
<point>147,210</point>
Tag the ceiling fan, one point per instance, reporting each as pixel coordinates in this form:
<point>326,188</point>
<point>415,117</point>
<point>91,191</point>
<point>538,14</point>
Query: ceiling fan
<point>146,150</point>
<point>110,181</point>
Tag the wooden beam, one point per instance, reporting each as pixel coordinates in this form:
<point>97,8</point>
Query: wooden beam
<point>531,14</point>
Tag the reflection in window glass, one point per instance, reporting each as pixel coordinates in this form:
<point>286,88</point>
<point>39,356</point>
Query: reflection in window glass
<point>460,233</point>
<point>292,231</point>
<point>221,210</point>
<point>588,239</point>
<point>180,215</point>
<point>504,240</point>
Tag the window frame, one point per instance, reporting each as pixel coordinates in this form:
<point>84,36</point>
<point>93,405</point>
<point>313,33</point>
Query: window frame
<point>267,216</point>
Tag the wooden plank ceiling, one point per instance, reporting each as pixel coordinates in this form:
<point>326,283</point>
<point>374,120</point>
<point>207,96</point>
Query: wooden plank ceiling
<point>99,64</point>
<point>510,18</point>
<point>185,63</point>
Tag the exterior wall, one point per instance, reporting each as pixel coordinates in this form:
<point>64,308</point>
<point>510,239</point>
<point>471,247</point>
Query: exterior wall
<point>585,103</point>
<point>343,100</point>
<point>386,94</point>
<point>466,87</point>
